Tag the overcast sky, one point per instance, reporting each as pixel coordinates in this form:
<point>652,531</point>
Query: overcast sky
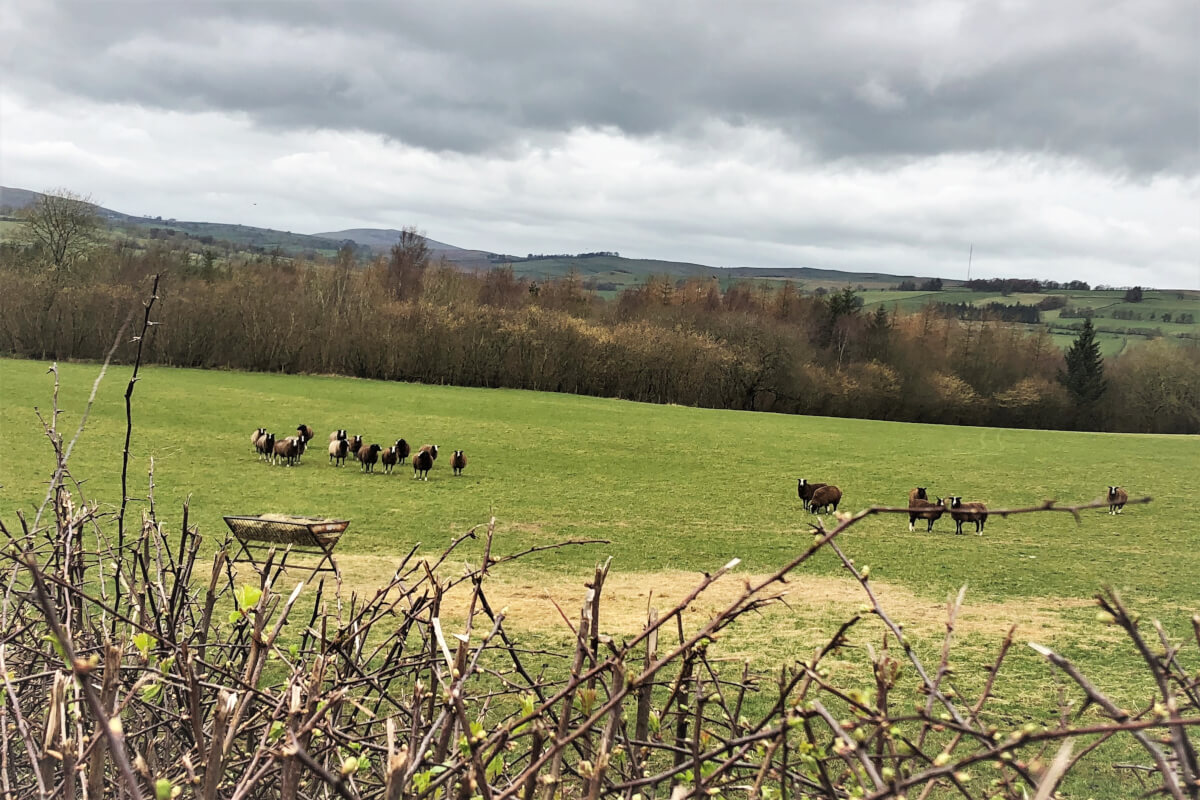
<point>1061,139</point>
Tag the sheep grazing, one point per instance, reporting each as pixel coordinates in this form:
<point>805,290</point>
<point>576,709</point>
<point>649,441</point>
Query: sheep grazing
<point>338,450</point>
<point>805,490</point>
<point>928,511</point>
<point>823,498</point>
<point>368,455</point>
<point>338,434</point>
<point>1117,498</point>
<point>432,449</point>
<point>962,512</point>
<point>916,494</point>
<point>422,462</point>
<point>286,450</point>
<point>458,461</point>
<point>391,457</point>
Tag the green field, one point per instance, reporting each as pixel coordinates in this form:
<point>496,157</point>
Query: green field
<point>677,490</point>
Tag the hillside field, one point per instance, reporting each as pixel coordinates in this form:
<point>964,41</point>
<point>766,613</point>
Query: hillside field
<point>677,491</point>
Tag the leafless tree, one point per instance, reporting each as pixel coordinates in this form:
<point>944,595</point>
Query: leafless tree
<point>64,225</point>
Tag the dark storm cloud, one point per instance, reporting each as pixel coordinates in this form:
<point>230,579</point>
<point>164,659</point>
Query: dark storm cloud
<point>1112,83</point>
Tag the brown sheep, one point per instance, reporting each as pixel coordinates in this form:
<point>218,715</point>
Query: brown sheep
<point>306,433</point>
<point>458,461</point>
<point>931,512</point>
<point>338,450</point>
<point>338,434</point>
<point>432,449</point>
<point>962,512</point>
<point>368,454</point>
<point>389,459</point>
<point>805,490</point>
<point>825,497</point>
<point>403,449</point>
<point>266,446</point>
<point>1117,498</point>
<point>422,462</point>
<point>286,450</point>
<point>916,494</point>
<point>356,443</point>
<point>258,434</point>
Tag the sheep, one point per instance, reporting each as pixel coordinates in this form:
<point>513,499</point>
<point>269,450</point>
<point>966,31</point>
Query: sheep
<point>390,458</point>
<point>422,462</point>
<point>1117,498</point>
<point>340,433</point>
<point>458,461</point>
<point>403,450</point>
<point>916,494</point>
<point>305,432</point>
<point>356,443</point>
<point>824,497</point>
<point>962,512</point>
<point>338,450</point>
<point>368,454</point>
<point>266,446</point>
<point>260,436</point>
<point>286,450</point>
<point>931,512</point>
<point>432,449</point>
<point>805,490</point>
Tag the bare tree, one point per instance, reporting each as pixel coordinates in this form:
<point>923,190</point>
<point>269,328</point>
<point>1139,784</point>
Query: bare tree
<point>64,225</point>
<point>406,266</point>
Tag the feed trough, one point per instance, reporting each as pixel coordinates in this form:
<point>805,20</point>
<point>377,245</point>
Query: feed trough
<point>310,535</point>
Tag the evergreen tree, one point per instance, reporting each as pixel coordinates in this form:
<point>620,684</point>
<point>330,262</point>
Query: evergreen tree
<point>1084,376</point>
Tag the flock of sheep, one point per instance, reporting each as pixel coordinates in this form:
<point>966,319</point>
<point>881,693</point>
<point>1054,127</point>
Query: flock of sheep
<point>341,445</point>
<point>818,497</point>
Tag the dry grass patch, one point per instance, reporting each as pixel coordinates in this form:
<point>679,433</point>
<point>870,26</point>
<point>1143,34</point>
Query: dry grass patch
<point>812,606</point>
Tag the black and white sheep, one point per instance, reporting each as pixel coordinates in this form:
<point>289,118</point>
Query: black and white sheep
<point>338,450</point>
<point>918,493</point>
<point>368,455</point>
<point>403,449</point>
<point>458,461</point>
<point>306,433</point>
<point>805,491</point>
<point>1117,498</point>
<point>432,449</point>
<point>962,512</point>
<point>928,511</point>
<point>258,434</point>
<point>422,462</point>
<point>825,497</point>
<point>356,443</point>
<point>338,434</point>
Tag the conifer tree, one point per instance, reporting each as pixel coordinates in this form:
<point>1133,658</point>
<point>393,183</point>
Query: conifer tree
<point>1084,376</point>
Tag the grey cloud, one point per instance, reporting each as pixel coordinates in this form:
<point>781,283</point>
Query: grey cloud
<point>1113,83</point>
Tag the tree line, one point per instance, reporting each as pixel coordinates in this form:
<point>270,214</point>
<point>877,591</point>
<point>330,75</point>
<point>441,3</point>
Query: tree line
<point>693,342</point>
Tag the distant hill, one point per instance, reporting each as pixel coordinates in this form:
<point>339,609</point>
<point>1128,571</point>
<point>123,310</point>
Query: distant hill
<point>380,240</point>
<point>604,273</point>
<point>15,199</point>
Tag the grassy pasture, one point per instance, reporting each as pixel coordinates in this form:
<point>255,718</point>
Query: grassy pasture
<point>673,487</point>
<point>678,491</point>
